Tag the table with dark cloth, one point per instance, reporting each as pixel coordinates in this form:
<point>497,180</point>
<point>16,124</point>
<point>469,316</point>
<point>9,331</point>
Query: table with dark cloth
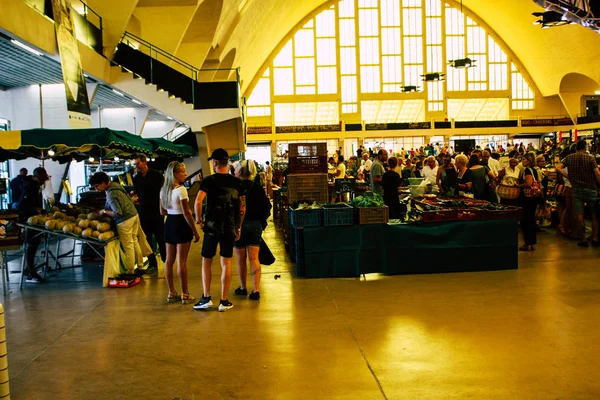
<point>459,246</point>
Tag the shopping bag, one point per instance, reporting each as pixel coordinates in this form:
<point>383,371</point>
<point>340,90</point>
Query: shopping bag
<point>265,256</point>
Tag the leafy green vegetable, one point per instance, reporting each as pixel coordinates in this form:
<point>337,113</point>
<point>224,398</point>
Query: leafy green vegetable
<point>369,199</point>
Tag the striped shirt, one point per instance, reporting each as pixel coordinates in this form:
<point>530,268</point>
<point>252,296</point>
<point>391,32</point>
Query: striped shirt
<point>582,168</point>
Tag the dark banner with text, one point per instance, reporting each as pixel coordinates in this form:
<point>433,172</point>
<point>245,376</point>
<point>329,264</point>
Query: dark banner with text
<point>78,105</point>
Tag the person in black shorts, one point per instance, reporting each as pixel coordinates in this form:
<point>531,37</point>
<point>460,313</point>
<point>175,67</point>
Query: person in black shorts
<point>258,209</point>
<point>222,223</point>
<point>180,229</point>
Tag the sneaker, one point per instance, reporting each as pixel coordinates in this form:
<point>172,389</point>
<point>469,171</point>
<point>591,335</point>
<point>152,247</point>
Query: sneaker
<point>36,279</point>
<point>254,296</point>
<point>241,292</point>
<point>187,298</point>
<point>203,304</point>
<point>225,305</point>
<point>583,243</point>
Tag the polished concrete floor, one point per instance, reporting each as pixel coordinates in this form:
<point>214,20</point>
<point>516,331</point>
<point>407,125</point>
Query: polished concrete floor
<point>531,333</point>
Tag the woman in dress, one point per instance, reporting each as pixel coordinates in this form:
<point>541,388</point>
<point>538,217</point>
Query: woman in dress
<point>463,175</point>
<point>180,229</point>
<point>258,209</point>
<point>509,176</point>
<point>529,204</point>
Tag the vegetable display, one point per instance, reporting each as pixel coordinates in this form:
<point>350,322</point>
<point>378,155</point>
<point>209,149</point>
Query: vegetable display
<point>369,199</point>
<point>90,225</point>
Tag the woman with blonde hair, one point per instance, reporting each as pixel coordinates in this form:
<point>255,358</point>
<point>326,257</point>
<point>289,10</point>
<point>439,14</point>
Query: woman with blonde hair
<point>179,229</point>
<point>258,209</point>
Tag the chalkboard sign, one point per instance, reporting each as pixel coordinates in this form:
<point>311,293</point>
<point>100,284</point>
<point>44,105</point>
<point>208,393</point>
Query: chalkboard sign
<point>345,185</point>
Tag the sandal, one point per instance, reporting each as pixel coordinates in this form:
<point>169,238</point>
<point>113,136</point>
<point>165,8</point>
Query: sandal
<point>187,298</point>
<point>173,297</point>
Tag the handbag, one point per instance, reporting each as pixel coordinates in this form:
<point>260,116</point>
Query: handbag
<point>265,256</point>
<point>535,190</point>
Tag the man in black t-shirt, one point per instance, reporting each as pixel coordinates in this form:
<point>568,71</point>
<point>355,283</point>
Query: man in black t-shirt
<point>147,183</point>
<point>222,223</point>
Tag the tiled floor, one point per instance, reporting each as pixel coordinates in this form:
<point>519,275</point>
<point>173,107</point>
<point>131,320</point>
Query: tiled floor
<point>530,333</point>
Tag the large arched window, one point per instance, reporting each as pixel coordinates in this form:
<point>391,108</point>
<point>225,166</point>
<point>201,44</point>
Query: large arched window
<point>374,60</point>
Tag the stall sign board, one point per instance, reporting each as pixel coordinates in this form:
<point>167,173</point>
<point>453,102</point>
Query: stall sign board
<point>345,185</point>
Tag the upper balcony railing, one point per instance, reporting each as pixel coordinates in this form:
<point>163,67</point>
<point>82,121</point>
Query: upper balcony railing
<point>197,74</point>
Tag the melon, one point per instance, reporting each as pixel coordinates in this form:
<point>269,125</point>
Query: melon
<point>32,220</point>
<point>77,230</point>
<point>67,228</point>
<point>106,235</point>
<point>50,224</point>
<point>94,224</point>
<point>87,232</point>
<point>92,216</point>
<point>103,227</point>
<point>84,223</point>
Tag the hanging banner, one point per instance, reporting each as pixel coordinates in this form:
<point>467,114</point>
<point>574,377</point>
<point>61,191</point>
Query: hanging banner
<point>78,106</point>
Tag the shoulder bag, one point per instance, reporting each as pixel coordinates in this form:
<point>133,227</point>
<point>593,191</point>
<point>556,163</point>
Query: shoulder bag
<point>535,190</point>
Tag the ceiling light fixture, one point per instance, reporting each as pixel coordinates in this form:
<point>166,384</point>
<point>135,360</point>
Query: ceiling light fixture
<point>24,46</point>
<point>462,63</point>
<point>411,88</point>
<point>550,19</point>
<point>136,102</point>
<point>91,159</point>
<point>117,92</point>
<point>433,77</point>
<point>153,159</point>
<point>51,152</point>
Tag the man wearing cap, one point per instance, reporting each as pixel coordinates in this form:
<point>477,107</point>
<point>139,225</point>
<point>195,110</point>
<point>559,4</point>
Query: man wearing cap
<point>222,222</point>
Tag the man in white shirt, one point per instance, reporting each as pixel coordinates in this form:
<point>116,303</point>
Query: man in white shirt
<point>340,172</point>
<point>492,163</point>
<point>430,172</point>
<point>366,162</point>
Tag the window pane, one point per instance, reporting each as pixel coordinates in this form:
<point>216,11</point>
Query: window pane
<point>434,59</point>
<point>346,8</point>
<point>412,22</point>
<point>391,69</point>
<point>368,22</point>
<point>284,58</point>
<point>413,50</point>
<point>349,92</point>
<point>304,43</point>
<point>327,80</point>
<point>390,13</point>
<point>434,31</point>
<point>455,47</point>
<point>305,71</point>
<point>347,32</point>
<point>495,52</point>
<point>390,41</point>
<point>475,40</point>
<point>433,7</point>
<point>326,52</point>
<point>348,60</point>
<point>369,50</point>
<point>454,22</point>
<point>326,23</point>
<point>305,90</point>
<point>284,81</point>
<point>369,82</point>
<point>261,95</point>
<point>412,74</point>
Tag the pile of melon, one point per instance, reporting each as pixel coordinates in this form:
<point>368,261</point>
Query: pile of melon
<point>90,225</point>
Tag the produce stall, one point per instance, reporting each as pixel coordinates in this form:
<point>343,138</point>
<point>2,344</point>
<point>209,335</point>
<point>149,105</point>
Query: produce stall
<point>436,235</point>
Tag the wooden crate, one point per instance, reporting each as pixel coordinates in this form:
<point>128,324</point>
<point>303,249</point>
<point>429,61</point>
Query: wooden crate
<point>310,187</point>
<point>307,150</point>
<point>373,215</point>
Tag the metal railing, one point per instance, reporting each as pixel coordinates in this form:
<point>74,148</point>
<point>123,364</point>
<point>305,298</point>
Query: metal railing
<point>157,53</point>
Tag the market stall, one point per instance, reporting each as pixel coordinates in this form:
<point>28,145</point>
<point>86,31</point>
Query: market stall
<point>82,144</point>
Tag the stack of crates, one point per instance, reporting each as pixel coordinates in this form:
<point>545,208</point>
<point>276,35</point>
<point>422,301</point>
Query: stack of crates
<point>307,179</point>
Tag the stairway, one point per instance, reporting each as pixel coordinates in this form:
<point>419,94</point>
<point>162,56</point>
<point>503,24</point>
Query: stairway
<point>144,64</point>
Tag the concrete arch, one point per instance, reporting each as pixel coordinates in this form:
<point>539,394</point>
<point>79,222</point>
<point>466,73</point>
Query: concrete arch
<point>198,37</point>
<point>576,82</point>
<point>226,62</point>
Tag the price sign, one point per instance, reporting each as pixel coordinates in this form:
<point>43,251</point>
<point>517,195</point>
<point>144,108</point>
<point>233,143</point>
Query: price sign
<point>345,185</point>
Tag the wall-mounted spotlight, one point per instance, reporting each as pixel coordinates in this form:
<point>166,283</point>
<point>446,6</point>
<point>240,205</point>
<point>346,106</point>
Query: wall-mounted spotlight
<point>91,159</point>
<point>550,18</point>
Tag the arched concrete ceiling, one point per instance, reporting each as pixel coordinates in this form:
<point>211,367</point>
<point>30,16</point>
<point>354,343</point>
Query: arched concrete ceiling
<point>256,27</point>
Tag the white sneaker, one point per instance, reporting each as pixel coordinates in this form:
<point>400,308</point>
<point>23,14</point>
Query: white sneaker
<point>225,305</point>
<point>203,304</point>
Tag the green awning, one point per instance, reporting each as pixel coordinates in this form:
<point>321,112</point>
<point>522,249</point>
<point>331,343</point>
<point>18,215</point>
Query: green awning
<point>163,147</point>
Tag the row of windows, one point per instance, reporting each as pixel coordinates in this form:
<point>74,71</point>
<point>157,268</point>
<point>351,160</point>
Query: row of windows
<point>379,46</point>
